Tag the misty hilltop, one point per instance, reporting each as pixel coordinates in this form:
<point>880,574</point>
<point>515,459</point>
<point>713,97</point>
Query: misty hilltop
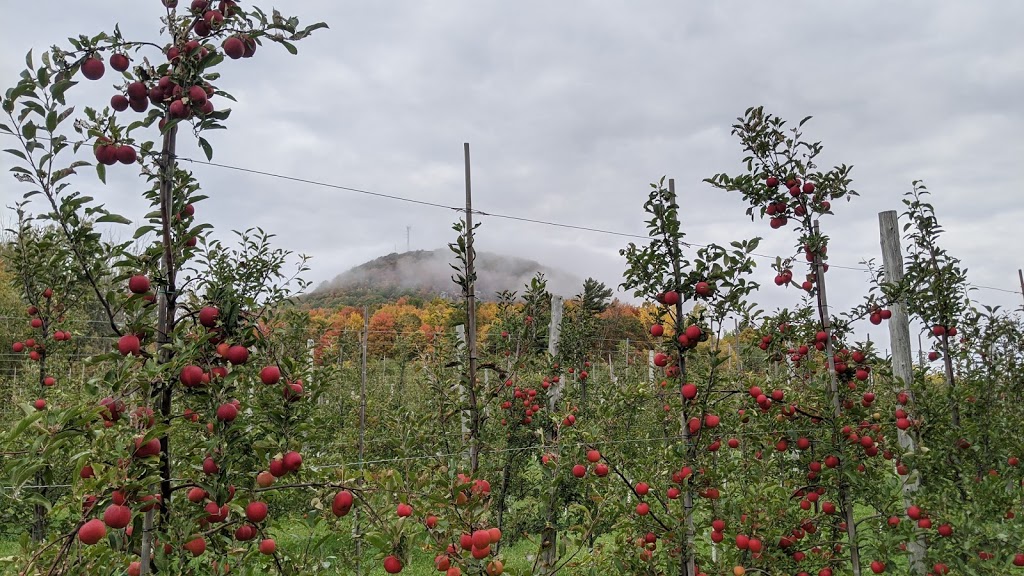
<point>426,274</point>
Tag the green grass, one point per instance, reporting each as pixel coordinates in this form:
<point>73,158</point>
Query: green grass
<point>516,558</point>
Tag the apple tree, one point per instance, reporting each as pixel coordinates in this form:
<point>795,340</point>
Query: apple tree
<point>180,417</point>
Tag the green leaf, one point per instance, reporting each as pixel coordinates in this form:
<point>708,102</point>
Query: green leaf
<point>28,130</point>
<point>24,424</point>
<point>101,172</point>
<point>17,153</point>
<point>142,231</point>
<point>207,149</point>
<point>116,218</point>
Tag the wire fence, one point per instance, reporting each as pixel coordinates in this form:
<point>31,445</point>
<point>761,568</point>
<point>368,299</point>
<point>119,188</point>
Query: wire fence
<point>498,215</point>
<point>587,444</point>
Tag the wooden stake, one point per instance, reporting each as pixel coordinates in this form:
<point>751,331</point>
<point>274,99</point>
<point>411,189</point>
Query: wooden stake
<point>902,363</point>
<point>1020,275</point>
<point>364,348</point>
<point>460,335</point>
<point>166,308</point>
<point>687,540</point>
<point>474,448</point>
<point>549,535</point>
<point>554,335</point>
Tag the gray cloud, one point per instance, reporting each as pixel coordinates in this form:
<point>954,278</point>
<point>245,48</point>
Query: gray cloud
<point>572,108</point>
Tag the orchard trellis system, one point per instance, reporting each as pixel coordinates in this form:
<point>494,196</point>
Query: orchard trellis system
<point>191,433</point>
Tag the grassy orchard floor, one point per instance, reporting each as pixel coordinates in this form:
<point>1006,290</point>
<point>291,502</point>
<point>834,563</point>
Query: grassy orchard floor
<point>294,537</point>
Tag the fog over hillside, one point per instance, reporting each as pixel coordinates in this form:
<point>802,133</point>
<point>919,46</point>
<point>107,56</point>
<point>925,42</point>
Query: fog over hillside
<point>429,272</point>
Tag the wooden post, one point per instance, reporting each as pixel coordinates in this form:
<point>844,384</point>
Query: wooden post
<point>364,346</point>
<point>1020,276</point>
<point>837,407</point>
<point>464,417</point>
<point>554,334</point>
<point>310,350</point>
<point>474,448</point>
<point>650,367</point>
<point>555,327</point>
<point>902,363</point>
<point>549,535</point>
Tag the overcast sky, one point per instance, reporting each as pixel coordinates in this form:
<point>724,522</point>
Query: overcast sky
<point>572,108</point>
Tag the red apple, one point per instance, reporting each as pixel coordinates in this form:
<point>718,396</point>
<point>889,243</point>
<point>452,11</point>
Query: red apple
<point>270,375</point>
<point>191,376</point>
<point>138,284</point>
<point>238,355</point>
<point>116,516</point>
<point>227,412</point>
<point>343,503</point>
<point>392,565</point>
<point>197,546</point>
<point>129,345</point>
<point>93,68</point>
<point>119,62</point>
<point>119,102</point>
<point>92,531</point>
<point>292,461</point>
<point>256,512</point>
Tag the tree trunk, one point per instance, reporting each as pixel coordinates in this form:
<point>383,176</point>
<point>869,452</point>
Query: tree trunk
<point>162,392</point>
<point>837,410</point>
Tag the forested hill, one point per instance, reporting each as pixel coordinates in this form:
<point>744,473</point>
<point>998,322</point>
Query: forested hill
<point>424,274</point>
